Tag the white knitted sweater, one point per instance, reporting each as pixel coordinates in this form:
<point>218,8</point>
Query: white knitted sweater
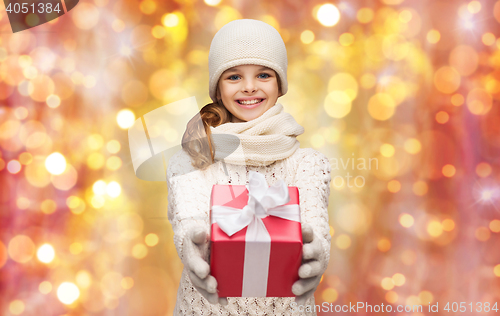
<point>189,192</point>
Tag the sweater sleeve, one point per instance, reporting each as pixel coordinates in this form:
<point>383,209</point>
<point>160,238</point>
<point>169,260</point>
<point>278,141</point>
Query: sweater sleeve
<point>313,180</point>
<point>188,198</point>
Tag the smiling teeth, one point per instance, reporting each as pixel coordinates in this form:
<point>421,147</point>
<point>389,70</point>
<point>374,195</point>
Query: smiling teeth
<point>250,102</point>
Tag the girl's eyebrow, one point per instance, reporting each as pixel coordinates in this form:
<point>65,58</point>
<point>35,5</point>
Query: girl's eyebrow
<point>237,69</point>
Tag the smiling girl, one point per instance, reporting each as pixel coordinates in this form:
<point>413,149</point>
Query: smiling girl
<point>247,66</point>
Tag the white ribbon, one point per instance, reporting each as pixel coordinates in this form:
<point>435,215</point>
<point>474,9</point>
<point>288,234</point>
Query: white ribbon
<point>263,201</point>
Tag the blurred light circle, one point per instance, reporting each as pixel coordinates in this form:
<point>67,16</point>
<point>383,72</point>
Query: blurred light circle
<point>448,224</point>
<point>53,101</point>
<point>16,307</point>
<point>488,39</point>
<point>45,287</point>
<point>344,82</point>
<point>307,37</point>
<point>406,220</point>
<point>148,6</point>
<point>95,161</point>
<point>36,173</point>
<point>25,88</point>
<point>86,16</point>
<point>83,279</point>
<point>43,87</point>
<point>67,293</point>
<point>328,14</point>
<point>212,2</point>
<point>464,59</point>
<point>3,254</point>
<point>98,201</point>
<point>151,240</point>
<point>343,241</point>
<point>365,15</point>
<point>392,2</point>
<point>55,163</point>
<point>48,206</point>
<point>113,146</point>
<point>95,141</point>
<point>433,36</point>
<point>13,166</point>
<point>399,279</point>
<point>483,169</point>
<point>170,20</point>
<point>127,283</point>
<point>21,249</point>
<point>447,79</point>
<point>420,188</point>
<point>9,129</point>
<point>23,203</point>
<point>474,7</point>
<point>99,187</point>
<point>496,11</point>
<point>113,189</point>
<point>381,106</point>
<point>384,244</point>
<point>25,158</point>
<point>125,118</point>
<point>387,283</point>
<point>412,146</point>
<point>387,150</point>
<point>329,295</point>
<point>114,163</point>
<point>139,251</point>
<point>479,101</point>
<point>354,218</point>
<point>76,248</point>
<point>434,228</point>
<point>457,99</point>
<point>46,253</point>
<point>337,104</point>
<point>391,297</point>
<point>346,39</point>
<point>225,15</point>
<point>65,180</point>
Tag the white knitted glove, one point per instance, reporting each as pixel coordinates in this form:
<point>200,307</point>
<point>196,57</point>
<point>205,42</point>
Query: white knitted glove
<point>195,245</point>
<point>311,269</point>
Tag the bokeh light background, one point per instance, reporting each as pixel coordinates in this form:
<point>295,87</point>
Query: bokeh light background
<point>413,85</point>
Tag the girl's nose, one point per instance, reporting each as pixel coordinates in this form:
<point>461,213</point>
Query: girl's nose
<point>249,86</point>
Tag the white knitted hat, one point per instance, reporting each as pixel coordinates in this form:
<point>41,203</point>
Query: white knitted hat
<point>246,41</point>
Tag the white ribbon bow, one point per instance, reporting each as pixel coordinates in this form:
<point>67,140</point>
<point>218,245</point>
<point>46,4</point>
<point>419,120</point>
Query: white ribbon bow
<point>263,201</point>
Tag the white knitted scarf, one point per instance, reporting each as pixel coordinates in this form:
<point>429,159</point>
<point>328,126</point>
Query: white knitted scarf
<point>259,142</point>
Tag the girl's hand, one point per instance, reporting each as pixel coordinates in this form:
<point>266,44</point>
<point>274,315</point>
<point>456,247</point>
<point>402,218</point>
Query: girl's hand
<point>311,269</point>
<point>198,268</point>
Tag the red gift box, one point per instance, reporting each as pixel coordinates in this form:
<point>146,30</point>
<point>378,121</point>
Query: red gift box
<point>263,258</point>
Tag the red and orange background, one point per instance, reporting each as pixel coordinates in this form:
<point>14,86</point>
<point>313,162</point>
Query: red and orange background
<point>412,85</point>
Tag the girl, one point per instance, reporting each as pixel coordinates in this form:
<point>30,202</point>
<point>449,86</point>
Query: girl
<point>247,66</point>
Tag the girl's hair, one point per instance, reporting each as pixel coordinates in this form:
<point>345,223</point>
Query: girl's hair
<point>194,142</point>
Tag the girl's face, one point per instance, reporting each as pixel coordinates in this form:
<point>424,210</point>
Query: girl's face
<point>248,91</point>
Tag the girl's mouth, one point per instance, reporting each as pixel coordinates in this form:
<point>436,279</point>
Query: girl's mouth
<point>251,105</point>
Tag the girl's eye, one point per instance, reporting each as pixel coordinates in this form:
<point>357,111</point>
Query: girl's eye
<point>233,77</point>
<point>266,75</point>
